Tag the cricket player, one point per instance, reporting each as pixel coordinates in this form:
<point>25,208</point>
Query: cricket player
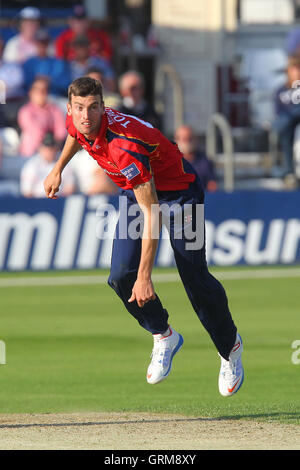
<point>151,173</point>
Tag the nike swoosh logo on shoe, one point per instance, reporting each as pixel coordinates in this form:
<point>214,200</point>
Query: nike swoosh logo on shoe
<point>230,390</point>
<point>236,347</point>
<point>167,336</point>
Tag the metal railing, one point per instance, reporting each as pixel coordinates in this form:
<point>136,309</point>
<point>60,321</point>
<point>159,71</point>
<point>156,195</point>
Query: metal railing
<point>219,121</point>
<point>216,121</point>
<point>163,73</point>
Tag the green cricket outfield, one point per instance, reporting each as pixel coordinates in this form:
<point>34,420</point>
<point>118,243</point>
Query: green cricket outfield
<point>71,346</point>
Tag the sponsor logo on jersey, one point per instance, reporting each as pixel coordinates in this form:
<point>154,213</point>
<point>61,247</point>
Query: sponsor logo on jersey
<point>130,171</point>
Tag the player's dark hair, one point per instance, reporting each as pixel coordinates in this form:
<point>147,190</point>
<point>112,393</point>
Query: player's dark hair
<point>85,86</point>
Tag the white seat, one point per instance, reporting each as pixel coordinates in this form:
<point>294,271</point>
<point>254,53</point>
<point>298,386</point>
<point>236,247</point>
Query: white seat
<point>10,141</point>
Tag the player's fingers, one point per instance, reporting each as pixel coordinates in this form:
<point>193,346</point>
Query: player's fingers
<point>143,301</point>
<point>132,298</point>
<point>52,193</point>
<point>152,297</point>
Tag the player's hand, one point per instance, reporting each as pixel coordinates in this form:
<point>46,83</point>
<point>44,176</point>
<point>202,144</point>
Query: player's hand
<point>142,292</point>
<point>52,184</point>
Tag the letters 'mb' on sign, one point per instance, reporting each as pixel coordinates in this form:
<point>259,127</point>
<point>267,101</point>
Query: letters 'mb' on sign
<point>2,352</point>
<point>2,92</point>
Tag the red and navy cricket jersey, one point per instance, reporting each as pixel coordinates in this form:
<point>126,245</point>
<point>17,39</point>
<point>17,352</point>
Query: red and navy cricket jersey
<point>132,151</point>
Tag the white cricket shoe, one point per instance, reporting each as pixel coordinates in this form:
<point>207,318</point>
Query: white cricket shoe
<point>164,349</point>
<point>232,372</point>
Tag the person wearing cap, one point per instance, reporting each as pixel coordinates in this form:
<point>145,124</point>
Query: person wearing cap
<point>42,64</point>
<point>287,110</point>
<point>83,61</point>
<point>79,24</point>
<point>37,167</point>
<point>39,116</point>
<point>22,46</point>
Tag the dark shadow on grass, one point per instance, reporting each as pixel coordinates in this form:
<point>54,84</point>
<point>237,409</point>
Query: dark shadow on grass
<point>271,416</point>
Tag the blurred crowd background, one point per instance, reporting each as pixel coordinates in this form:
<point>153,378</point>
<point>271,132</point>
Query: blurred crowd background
<point>221,80</point>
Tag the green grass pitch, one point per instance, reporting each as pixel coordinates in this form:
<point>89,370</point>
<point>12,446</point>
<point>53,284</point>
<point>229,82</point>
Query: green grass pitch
<point>75,348</point>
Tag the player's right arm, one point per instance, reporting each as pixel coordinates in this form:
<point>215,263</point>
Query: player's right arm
<point>53,180</point>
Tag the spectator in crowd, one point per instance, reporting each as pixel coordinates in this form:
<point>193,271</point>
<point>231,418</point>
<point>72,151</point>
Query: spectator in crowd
<point>287,109</point>
<point>22,46</point>
<point>111,99</point>
<point>11,74</point>
<point>39,116</point>
<point>90,178</point>
<point>83,61</point>
<point>12,89</point>
<point>186,140</point>
<point>79,24</point>
<point>57,70</point>
<point>37,167</point>
<point>132,91</point>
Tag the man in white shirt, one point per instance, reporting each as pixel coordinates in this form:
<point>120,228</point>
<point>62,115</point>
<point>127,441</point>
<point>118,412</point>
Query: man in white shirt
<point>22,46</point>
<point>37,168</point>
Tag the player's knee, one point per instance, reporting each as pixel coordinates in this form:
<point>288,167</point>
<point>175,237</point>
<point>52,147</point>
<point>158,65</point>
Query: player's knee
<point>121,279</point>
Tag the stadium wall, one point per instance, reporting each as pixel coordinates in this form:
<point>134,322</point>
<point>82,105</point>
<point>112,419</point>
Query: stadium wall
<point>192,36</point>
<point>242,228</point>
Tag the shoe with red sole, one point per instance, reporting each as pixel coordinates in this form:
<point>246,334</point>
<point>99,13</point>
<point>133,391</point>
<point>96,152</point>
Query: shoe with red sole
<point>231,374</point>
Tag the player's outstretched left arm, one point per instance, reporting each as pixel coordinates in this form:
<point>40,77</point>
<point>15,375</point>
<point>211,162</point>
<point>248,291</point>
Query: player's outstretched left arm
<point>146,196</point>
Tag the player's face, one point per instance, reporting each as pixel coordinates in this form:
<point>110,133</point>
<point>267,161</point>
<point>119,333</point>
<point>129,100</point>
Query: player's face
<point>86,114</point>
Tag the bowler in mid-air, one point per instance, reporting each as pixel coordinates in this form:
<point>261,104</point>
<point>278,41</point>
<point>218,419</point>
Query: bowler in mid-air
<point>151,173</point>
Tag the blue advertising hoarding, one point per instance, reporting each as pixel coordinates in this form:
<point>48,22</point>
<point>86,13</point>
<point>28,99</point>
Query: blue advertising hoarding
<point>243,227</point>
